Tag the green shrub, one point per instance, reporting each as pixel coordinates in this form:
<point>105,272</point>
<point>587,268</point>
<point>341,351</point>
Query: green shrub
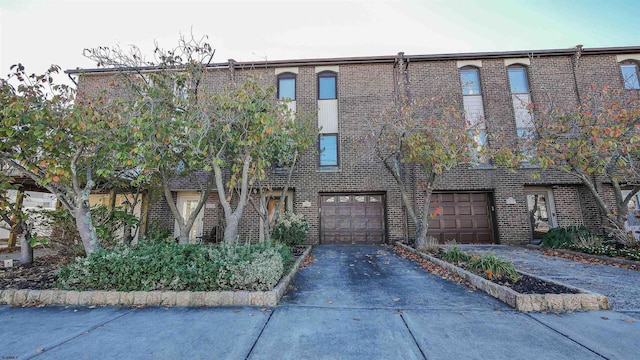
<point>291,229</point>
<point>490,266</point>
<point>455,255</point>
<point>168,266</point>
<point>561,237</point>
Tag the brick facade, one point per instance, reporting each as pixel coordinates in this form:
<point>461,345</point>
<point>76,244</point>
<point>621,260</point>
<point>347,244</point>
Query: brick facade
<point>366,86</point>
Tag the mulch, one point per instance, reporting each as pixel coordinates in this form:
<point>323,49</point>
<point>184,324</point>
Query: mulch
<point>589,260</point>
<point>40,276</point>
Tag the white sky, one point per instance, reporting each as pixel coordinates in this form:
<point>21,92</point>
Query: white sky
<point>40,33</point>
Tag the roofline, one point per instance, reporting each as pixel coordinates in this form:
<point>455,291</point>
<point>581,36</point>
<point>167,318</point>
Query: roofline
<point>388,59</point>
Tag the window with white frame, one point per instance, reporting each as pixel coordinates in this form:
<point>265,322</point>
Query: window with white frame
<point>328,138</point>
<point>473,107</point>
<point>521,99</point>
<point>630,75</point>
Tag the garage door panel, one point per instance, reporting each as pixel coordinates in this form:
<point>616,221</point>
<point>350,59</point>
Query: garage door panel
<point>449,223</point>
<point>446,210</point>
<point>465,223</point>
<point>465,217</point>
<point>358,219</point>
<point>447,198</point>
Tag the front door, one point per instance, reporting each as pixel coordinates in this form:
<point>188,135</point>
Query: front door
<point>186,206</point>
<point>542,213</point>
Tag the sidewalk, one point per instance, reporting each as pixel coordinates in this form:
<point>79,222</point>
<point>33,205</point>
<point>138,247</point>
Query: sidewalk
<point>353,303</point>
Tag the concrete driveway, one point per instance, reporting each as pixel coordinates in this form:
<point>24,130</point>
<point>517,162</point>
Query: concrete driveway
<point>353,303</point>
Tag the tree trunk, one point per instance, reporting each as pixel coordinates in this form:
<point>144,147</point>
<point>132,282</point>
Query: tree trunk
<point>231,230</point>
<point>422,228</point>
<point>26,251</point>
<point>85,228</point>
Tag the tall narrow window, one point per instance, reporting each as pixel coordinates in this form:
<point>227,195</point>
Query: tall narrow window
<point>327,85</point>
<point>287,86</point>
<point>630,75</point>
<point>328,150</point>
<point>521,105</point>
<point>473,107</point>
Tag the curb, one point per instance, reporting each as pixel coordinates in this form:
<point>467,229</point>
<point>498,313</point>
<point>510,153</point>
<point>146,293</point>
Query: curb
<point>584,300</point>
<point>152,298</point>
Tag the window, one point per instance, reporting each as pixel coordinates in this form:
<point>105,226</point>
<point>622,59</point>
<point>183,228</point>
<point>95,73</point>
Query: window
<point>474,109</point>
<point>630,75</point>
<point>518,80</point>
<point>521,108</point>
<point>328,149</point>
<point>327,85</point>
<point>287,86</point>
<point>470,81</point>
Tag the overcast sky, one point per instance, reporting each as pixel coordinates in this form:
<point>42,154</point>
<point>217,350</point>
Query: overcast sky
<point>45,32</point>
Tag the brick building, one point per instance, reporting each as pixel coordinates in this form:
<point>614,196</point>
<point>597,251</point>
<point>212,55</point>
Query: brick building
<point>350,198</point>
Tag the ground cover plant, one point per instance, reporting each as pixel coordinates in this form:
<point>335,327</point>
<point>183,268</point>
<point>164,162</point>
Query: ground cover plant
<point>169,266</point>
<point>581,239</point>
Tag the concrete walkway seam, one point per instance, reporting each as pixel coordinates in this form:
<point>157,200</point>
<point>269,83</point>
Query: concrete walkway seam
<point>79,334</point>
<point>153,298</point>
<point>565,336</point>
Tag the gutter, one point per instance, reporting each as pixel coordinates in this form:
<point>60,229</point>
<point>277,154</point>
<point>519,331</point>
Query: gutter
<point>385,59</point>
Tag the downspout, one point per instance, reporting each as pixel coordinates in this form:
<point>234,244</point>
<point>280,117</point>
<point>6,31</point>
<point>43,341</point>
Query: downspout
<point>397,66</point>
<point>574,62</point>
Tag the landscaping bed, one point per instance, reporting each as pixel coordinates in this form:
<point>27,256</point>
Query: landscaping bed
<point>36,286</point>
<point>534,294</point>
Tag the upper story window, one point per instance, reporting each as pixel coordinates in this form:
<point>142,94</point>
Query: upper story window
<point>327,85</point>
<point>470,81</point>
<point>328,150</point>
<point>287,86</point>
<point>518,80</point>
<point>630,75</point>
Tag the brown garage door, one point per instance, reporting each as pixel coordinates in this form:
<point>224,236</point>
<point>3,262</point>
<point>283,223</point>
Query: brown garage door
<point>465,218</point>
<point>352,219</point>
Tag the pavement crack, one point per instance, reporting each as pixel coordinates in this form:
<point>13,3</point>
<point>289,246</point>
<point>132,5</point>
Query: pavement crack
<point>565,336</point>
<point>413,337</point>
<point>260,335</point>
<point>90,329</point>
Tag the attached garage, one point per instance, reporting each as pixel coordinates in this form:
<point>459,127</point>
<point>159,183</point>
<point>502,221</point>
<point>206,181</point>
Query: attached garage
<point>357,218</point>
<point>465,218</point>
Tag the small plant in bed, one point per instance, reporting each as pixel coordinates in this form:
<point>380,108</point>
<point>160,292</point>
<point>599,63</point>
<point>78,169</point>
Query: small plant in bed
<point>501,272</point>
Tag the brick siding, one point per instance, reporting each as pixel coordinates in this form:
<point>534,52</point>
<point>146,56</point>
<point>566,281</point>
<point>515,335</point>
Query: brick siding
<point>366,89</point>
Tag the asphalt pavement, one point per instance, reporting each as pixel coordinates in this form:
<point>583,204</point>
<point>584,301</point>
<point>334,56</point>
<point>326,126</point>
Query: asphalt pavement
<point>355,302</point>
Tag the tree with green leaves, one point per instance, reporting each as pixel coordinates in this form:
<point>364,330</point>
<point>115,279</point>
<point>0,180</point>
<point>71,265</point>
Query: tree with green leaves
<point>60,141</point>
<point>428,134</point>
<point>177,129</point>
<point>597,141</point>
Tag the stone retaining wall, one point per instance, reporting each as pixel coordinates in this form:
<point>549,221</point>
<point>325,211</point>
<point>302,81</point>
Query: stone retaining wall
<point>583,300</point>
<point>152,298</point>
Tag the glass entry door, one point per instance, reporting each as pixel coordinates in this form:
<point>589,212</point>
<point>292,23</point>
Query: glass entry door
<point>541,212</point>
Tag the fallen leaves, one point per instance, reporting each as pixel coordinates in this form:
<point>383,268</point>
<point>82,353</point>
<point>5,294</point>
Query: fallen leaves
<point>431,267</point>
<point>588,259</point>
<point>308,260</point>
